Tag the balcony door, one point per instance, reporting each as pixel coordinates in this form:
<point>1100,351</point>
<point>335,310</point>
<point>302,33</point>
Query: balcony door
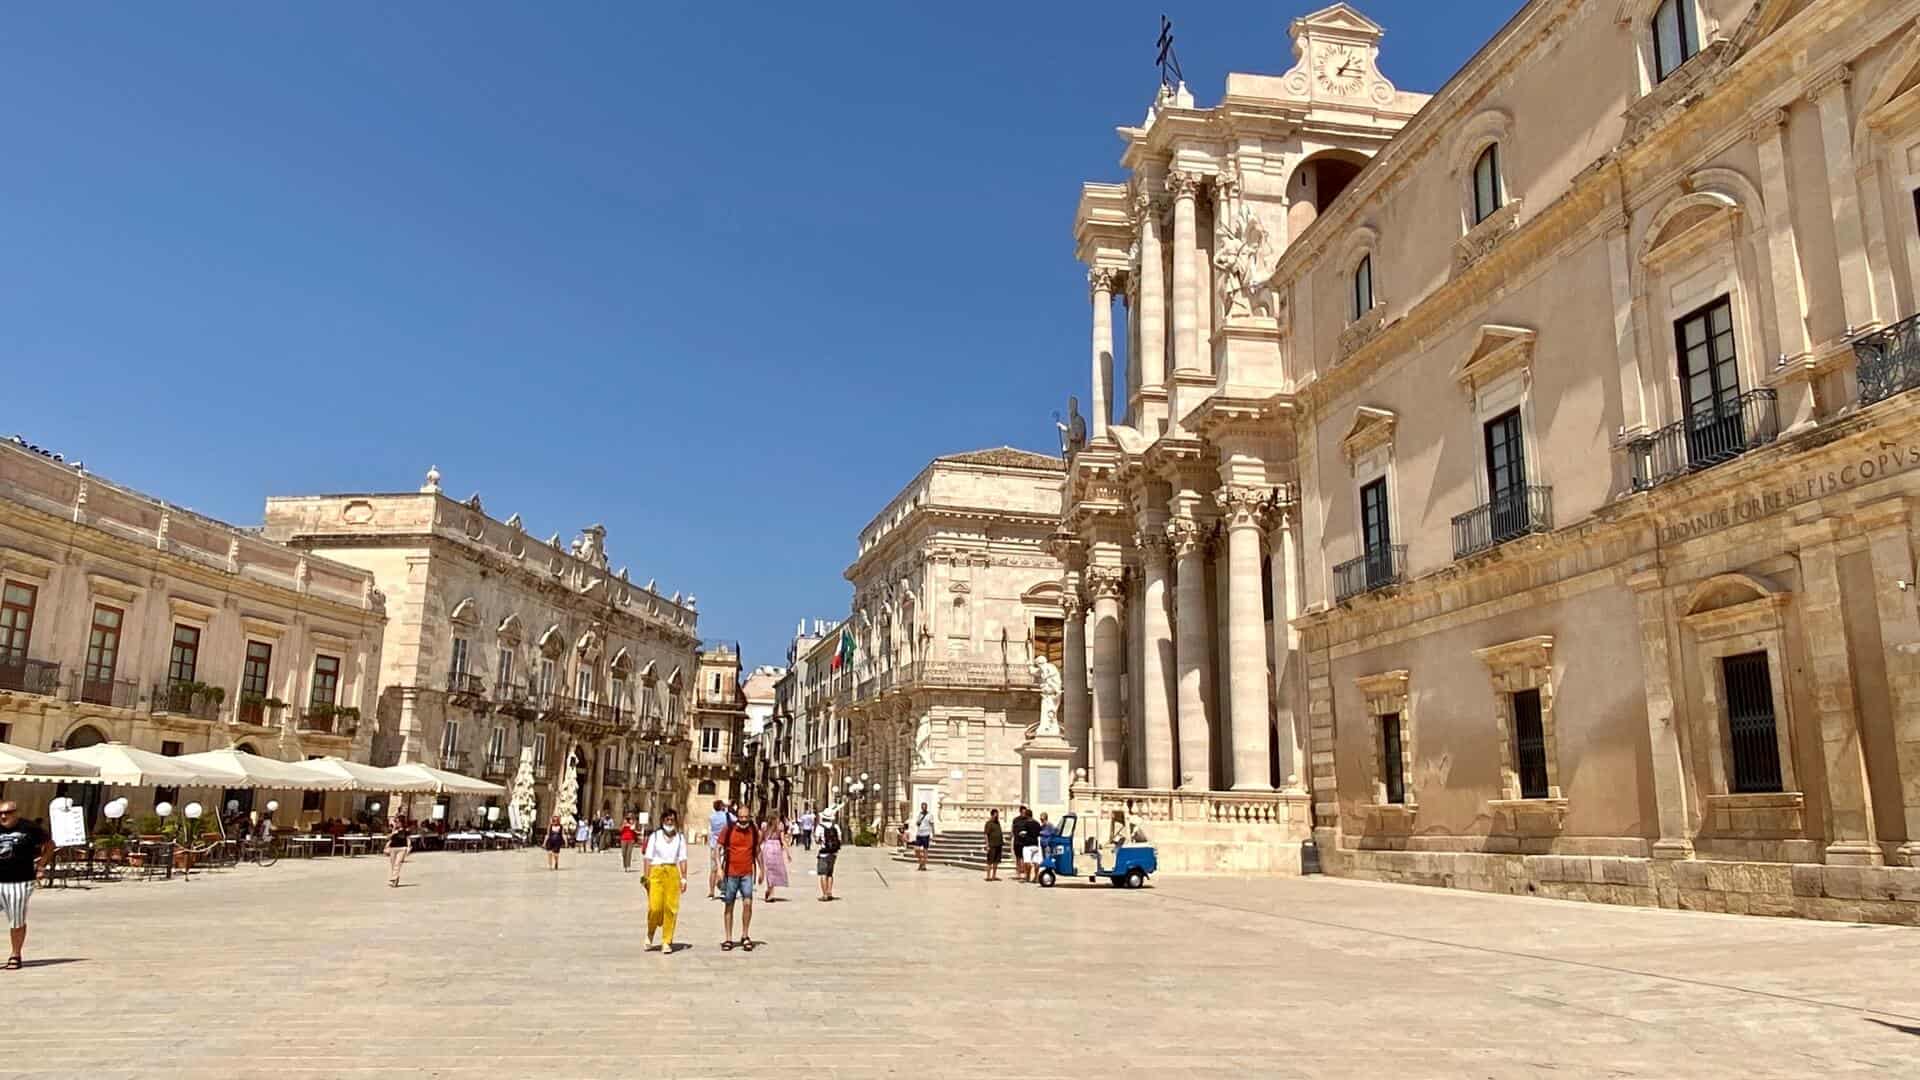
<point>1710,384</point>
<point>1506,476</point>
<point>1376,534</point>
<point>103,655</point>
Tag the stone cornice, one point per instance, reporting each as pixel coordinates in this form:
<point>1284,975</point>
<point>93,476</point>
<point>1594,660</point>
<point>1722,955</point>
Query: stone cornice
<point>1254,411</point>
<point>1527,652</point>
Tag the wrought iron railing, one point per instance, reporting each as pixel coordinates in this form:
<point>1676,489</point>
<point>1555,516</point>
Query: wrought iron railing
<point>1378,568</point>
<point>29,676</point>
<point>1700,442</point>
<point>113,693</point>
<point>496,765</point>
<point>1508,515</point>
<point>186,699</point>
<point>614,777</point>
<point>452,760</point>
<point>1888,360</point>
<point>843,749</point>
<point>323,719</point>
<point>465,683</point>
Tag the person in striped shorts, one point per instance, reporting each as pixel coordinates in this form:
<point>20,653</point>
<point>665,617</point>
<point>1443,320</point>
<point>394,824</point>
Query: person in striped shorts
<point>24,851</point>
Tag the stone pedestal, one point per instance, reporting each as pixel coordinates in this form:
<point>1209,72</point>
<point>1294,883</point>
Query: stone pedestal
<point>1046,775</point>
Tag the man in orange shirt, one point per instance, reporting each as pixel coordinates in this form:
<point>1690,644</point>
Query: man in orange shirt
<point>738,850</point>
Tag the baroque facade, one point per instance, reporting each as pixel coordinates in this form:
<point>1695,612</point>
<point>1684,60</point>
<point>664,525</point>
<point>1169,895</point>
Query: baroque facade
<point>127,619</point>
<point>498,641</point>
<point>1526,476</point>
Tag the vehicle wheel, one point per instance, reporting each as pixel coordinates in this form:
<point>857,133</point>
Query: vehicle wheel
<point>267,857</point>
<point>1135,879</point>
<point>1047,879</point>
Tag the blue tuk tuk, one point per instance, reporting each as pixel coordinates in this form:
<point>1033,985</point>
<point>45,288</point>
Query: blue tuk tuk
<point>1132,863</point>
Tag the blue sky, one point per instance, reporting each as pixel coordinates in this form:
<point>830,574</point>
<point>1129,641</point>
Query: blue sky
<point>722,277</point>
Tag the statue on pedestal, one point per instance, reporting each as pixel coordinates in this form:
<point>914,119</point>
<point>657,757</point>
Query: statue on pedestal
<point>1046,678</point>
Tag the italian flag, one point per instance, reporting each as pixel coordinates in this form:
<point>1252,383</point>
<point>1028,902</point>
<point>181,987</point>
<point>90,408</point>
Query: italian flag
<point>844,654</point>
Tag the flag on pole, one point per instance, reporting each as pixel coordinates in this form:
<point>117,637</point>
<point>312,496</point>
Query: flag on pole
<point>843,656</point>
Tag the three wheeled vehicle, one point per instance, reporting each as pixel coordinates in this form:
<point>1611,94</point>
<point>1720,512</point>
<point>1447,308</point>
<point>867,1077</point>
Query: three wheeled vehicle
<point>1132,863</point>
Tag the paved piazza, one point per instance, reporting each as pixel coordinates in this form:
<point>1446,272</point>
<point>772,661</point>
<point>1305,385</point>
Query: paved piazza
<point>490,965</point>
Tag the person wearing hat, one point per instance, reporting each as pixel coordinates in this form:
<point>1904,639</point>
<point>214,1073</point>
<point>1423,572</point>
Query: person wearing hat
<point>829,853</point>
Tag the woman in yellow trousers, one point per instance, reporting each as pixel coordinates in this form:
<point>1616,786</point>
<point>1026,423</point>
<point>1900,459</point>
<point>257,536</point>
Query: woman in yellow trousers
<point>664,867</point>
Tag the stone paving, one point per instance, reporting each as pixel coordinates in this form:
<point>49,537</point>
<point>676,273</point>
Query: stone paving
<point>490,965</point>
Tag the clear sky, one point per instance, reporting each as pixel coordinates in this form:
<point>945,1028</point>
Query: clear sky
<point>722,277</point>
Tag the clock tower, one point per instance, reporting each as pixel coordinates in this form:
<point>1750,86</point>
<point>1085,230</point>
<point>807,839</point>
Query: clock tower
<point>1336,59</point>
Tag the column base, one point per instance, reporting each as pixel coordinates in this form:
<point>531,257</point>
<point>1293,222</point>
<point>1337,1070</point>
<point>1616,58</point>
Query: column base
<point>1673,849</point>
<point>1854,853</point>
<point>1908,853</point>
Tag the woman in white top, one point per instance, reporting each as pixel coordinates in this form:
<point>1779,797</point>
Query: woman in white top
<point>664,866</point>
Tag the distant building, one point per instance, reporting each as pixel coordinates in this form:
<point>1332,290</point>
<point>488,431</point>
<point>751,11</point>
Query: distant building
<point>716,761</point>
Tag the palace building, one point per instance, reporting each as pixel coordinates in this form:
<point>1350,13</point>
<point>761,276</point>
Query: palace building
<point>1517,488</point>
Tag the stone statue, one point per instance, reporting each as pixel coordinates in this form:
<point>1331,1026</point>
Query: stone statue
<point>1243,261</point>
<point>923,744</point>
<point>1046,678</point>
<point>1073,430</point>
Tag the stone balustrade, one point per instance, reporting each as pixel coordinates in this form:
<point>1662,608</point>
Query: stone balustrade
<point>1205,832</point>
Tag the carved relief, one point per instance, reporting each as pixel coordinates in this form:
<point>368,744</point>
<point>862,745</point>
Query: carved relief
<point>357,512</point>
<point>1242,505</point>
<point>1105,582</point>
<point>1183,185</point>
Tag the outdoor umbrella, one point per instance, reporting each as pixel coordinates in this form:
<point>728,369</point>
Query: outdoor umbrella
<point>17,763</point>
<point>448,783</point>
<point>125,766</point>
<point>367,777</point>
<point>239,769</point>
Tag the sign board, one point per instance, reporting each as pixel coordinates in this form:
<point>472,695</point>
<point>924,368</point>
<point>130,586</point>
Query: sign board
<point>1046,786</point>
<point>69,825</point>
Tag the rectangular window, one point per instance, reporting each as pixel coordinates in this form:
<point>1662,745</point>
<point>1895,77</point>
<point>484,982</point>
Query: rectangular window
<point>326,681</point>
<point>1676,37</point>
<point>618,694</point>
<point>450,739</point>
<point>1392,772</point>
<point>184,659</point>
<point>459,666</point>
<point>716,683</point>
<point>253,674</point>
<point>171,748</point>
<point>1486,183</point>
<point>709,740</point>
<point>548,676</point>
<point>1529,745</point>
<point>505,666</point>
<point>1710,383</point>
<point>539,752</point>
<point>1751,730</point>
<point>1362,287</point>
<point>1506,476</point>
<point>1376,534</point>
<point>583,685</point>
<point>497,743</point>
<point>17,602</point>
<point>103,652</point>
<point>1050,639</point>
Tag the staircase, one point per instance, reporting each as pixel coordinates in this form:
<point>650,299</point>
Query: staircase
<point>967,850</point>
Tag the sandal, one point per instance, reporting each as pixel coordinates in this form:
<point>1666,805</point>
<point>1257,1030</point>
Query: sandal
<point>726,946</point>
<point>747,944</point>
<point>13,963</point>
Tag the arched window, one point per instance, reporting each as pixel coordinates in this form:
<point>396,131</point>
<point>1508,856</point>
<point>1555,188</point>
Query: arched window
<point>1486,183</point>
<point>1362,287</point>
<point>1676,37</point>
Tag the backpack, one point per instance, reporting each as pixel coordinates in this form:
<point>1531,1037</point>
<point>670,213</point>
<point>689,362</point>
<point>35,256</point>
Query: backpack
<point>830,840</point>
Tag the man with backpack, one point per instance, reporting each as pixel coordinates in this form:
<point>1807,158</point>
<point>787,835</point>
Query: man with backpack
<point>739,854</point>
<point>829,853</point>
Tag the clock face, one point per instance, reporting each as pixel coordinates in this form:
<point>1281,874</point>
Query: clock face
<point>1341,70</point>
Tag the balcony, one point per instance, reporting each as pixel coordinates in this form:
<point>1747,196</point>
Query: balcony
<point>709,757</point>
<point>496,767</point>
<point>614,777</point>
<point>258,710</point>
<point>452,761</point>
<point>550,705</point>
<point>1888,360</point>
<point>110,692</point>
<point>1382,566</point>
<point>843,749</point>
<point>1700,442</point>
<point>593,711</point>
<point>1511,515</point>
<point>511,697</point>
<point>29,676</point>
<point>193,699</point>
<point>320,718</point>
<point>465,684</point>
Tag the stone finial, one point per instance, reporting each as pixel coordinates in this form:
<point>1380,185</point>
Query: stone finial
<point>554,540</point>
<point>649,585</point>
<point>432,486</point>
<point>233,555</point>
<point>514,523</point>
<point>692,601</point>
<point>676,597</point>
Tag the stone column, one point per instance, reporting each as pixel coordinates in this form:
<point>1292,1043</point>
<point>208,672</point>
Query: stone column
<point>1242,508</point>
<point>1829,94</point>
<point>1155,646</point>
<point>1186,284</point>
<point>1669,766</point>
<point>1101,285</point>
<point>1151,317</point>
<point>1190,651</point>
<point>1104,584</point>
<point>1074,713</point>
<point>1850,825</point>
<point>1286,643</point>
<point>1888,526</point>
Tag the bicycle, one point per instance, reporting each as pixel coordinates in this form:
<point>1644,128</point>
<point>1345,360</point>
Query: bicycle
<point>258,851</point>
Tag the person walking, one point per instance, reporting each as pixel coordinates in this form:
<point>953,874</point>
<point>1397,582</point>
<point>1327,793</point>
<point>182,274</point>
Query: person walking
<point>996,844</point>
<point>582,835</point>
<point>774,857</point>
<point>399,846</point>
<point>740,859</point>
<point>1026,843</point>
<point>628,836</point>
<point>923,834</point>
<point>829,854</point>
<point>806,827</point>
<point>25,850</point>
<point>716,824</point>
<point>663,865</point>
<point>556,839</point>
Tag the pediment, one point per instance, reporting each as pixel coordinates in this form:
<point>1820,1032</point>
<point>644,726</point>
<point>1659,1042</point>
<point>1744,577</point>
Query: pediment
<point>622,661</point>
<point>510,629</point>
<point>1496,350</point>
<point>464,613</point>
<point>1340,18</point>
<point>552,642</point>
<point>1371,427</point>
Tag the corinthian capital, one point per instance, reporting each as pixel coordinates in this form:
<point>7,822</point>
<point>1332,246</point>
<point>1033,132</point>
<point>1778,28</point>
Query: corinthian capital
<point>1101,279</point>
<point>1186,536</point>
<point>1105,582</point>
<point>1182,185</point>
<point>1153,544</point>
<point>1244,505</point>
